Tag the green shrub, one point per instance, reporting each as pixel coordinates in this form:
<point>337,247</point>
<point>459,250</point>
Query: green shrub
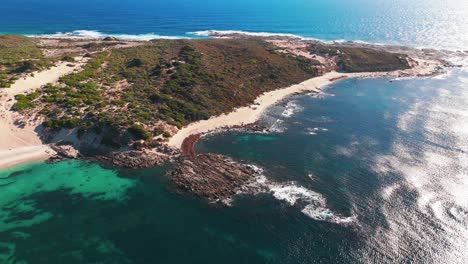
<point>139,132</point>
<point>24,102</point>
<point>68,58</point>
<point>59,123</point>
<point>166,134</point>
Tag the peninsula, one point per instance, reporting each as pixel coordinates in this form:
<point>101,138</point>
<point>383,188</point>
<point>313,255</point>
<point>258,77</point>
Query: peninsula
<point>133,103</point>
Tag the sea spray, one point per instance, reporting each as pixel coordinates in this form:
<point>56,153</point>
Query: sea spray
<point>292,194</point>
<point>93,34</point>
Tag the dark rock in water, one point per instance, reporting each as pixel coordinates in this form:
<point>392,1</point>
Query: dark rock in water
<point>133,159</point>
<point>210,176</point>
<point>55,159</point>
<point>14,174</point>
<point>110,39</point>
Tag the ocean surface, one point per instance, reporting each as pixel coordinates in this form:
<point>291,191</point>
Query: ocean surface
<point>420,23</point>
<point>369,171</point>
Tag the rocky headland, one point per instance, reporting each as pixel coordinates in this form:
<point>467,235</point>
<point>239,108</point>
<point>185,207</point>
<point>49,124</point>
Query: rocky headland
<point>133,104</point>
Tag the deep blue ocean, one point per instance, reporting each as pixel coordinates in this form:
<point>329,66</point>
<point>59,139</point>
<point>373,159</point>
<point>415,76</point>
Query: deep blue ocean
<point>421,23</point>
<point>369,171</point>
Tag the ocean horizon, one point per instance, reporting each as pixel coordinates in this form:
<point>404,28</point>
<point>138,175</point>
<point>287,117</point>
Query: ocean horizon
<point>437,24</point>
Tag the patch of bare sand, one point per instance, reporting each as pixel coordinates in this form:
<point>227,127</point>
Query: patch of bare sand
<point>19,136</point>
<point>250,114</point>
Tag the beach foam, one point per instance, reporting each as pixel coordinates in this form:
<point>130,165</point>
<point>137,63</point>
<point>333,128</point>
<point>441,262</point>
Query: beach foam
<point>215,33</point>
<point>93,34</point>
<point>211,33</point>
<point>291,108</point>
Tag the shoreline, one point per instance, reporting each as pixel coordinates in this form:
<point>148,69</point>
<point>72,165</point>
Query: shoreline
<point>92,35</point>
<point>22,155</point>
<point>20,145</point>
<point>250,114</point>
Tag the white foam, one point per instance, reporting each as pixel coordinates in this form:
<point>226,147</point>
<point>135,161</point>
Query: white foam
<point>316,129</point>
<point>322,95</point>
<point>222,33</point>
<point>277,126</point>
<point>291,108</point>
<point>214,33</point>
<point>291,193</point>
<point>93,34</point>
<point>316,207</point>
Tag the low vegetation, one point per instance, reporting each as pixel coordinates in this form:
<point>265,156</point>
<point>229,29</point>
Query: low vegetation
<point>360,59</point>
<point>19,55</point>
<point>137,92</point>
<point>24,102</point>
<point>171,81</point>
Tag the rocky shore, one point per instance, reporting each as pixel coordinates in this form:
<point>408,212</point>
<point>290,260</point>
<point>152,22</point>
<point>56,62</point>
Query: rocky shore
<point>133,159</point>
<point>211,176</point>
<point>152,142</point>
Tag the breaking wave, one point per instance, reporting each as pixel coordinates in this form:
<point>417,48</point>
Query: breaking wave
<point>291,108</point>
<point>92,34</point>
<point>315,130</point>
<point>214,33</point>
<point>221,33</point>
<point>311,203</point>
<point>95,34</point>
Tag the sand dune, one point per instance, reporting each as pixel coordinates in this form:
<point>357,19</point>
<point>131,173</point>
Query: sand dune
<point>22,144</point>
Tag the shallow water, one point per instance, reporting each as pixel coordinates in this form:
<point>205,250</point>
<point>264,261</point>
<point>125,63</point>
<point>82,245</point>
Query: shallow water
<point>369,171</point>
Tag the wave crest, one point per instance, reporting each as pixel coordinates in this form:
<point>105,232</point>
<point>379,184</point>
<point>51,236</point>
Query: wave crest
<point>93,34</point>
<point>214,33</point>
<point>295,195</point>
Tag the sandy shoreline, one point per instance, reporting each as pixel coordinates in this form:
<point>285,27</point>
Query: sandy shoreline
<point>10,158</point>
<point>23,144</point>
<point>251,114</point>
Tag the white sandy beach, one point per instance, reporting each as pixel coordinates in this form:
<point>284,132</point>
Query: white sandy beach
<point>22,144</point>
<point>251,114</point>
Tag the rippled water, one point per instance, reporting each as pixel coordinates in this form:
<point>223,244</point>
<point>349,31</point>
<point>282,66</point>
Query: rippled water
<point>389,157</point>
<point>370,171</point>
<point>421,23</point>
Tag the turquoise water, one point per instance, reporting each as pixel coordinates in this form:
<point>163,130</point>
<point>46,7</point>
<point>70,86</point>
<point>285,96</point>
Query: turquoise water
<point>422,23</point>
<point>371,171</point>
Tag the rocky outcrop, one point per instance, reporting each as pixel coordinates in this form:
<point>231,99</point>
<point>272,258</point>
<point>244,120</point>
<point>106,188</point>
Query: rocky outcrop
<point>133,159</point>
<point>188,145</point>
<point>110,39</point>
<point>210,176</point>
<point>65,151</point>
